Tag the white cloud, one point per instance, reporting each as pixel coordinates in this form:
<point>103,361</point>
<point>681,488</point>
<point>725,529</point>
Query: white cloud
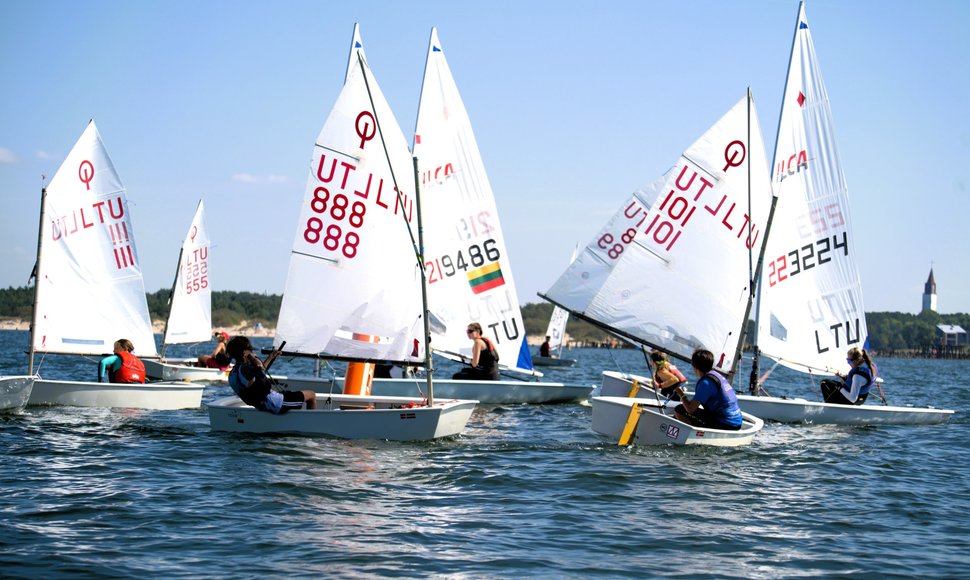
<point>250,178</point>
<point>7,156</point>
<point>43,155</point>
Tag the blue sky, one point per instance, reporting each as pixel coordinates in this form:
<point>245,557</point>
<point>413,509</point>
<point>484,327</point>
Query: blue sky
<point>574,104</point>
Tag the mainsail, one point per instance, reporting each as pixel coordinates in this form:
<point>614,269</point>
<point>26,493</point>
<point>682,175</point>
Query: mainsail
<point>556,330</point>
<point>353,285</point>
<point>190,317</point>
<point>89,288</point>
<point>672,269</point>
<point>810,310</point>
<point>469,273</point>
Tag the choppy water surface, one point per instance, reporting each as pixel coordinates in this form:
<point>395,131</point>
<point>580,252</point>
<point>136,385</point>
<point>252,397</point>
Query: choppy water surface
<point>526,491</point>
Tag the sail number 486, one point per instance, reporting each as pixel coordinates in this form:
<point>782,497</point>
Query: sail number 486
<point>805,258</point>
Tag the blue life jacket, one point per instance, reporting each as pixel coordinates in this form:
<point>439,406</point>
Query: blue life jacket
<point>859,370</point>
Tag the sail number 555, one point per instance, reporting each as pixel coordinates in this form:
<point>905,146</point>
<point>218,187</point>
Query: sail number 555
<point>339,209</point>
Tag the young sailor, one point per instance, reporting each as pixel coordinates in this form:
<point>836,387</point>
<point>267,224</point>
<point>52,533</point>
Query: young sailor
<point>854,387</point>
<point>122,366</point>
<point>250,382</point>
<point>720,408</point>
<point>667,379</point>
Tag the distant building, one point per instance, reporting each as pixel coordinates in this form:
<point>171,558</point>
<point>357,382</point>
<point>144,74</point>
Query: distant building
<point>950,335</point>
<point>929,293</point>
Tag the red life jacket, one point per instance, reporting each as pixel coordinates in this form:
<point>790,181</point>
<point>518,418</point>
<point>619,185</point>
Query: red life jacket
<point>132,370</point>
<point>673,370</point>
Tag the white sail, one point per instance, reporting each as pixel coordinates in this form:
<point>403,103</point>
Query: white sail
<point>672,268</point>
<point>353,287</point>
<point>356,47</point>
<point>90,290</point>
<point>469,273</point>
<point>190,316</point>
<point>811,308</point>
<point>556,330</point>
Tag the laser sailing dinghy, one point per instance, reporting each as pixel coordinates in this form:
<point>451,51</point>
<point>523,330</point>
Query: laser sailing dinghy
<point>810,308</point>
<point>469,272</point>
<point>189,318</point>
<point>88,286</point>
<point>354,289</point>
<point>671,271</point>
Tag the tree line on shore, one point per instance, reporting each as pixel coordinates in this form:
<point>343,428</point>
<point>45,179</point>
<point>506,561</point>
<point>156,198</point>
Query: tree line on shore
<point>888,331</point>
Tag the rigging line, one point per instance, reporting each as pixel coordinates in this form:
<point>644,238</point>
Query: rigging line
<point>341,153</point>
<point>387,155</point>
<point>331,260</point>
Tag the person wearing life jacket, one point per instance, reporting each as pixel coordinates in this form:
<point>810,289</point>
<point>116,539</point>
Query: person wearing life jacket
<point>853,388</point>
<point>248,379</point>
<point>219,359</point>
<point>484,361</point>
<point>667,379</point>
<point>715,405</point>
<point>122,366</point>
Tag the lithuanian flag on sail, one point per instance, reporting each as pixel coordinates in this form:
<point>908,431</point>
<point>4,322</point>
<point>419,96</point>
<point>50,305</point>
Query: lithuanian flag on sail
<point>485,278</point>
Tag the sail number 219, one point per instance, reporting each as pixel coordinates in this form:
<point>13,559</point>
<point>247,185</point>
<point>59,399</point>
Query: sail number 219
<point>805,258</point>
<point>446,266</point>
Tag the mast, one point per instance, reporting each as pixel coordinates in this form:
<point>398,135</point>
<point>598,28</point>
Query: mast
<point>171,296</point>
<point>33,315</point>
<point>426,313</point>
<point>753,379</point>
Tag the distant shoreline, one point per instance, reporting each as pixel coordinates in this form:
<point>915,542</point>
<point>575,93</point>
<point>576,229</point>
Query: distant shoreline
<point>243,329</point>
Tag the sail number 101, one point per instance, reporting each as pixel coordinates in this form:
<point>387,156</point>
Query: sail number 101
<point>446,266</point>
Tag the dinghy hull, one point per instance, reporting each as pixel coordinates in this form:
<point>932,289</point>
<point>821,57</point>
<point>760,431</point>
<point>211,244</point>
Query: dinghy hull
<point>362,417</point>
<point>158,396</point>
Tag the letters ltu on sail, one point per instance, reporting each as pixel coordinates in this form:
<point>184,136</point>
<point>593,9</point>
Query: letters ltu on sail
<point>672,267</point>
<point>353,287</point>
<point>89,290</point>
<point>469,273</point>
<point>811,309</point>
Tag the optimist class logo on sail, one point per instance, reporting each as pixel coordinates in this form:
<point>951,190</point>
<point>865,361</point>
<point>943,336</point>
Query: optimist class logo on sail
<point>109,213</point>
<point>337,207</point>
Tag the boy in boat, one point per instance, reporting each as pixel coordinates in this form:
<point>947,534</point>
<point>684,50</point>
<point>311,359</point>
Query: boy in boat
<point>720,408</point>
<point>250,382</point>
<point>122,366</point>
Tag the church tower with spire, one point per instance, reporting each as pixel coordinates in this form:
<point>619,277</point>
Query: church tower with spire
<point>929,293</point>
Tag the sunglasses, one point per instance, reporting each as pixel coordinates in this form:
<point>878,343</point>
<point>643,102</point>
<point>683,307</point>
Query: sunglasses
<point>469,331</point>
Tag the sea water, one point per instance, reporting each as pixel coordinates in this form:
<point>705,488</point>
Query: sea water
<point>526,491</point>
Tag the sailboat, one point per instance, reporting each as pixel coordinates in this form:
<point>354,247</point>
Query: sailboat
<point>810,309</point>
<point>354,286</point>
<point>190,314</point>
<point>672,269</point>
<point>556,332</point>
<point>469,273</point>
<point>88,286</point>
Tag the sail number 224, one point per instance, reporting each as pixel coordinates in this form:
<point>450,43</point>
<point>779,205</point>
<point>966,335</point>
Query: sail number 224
<point>805,258</point>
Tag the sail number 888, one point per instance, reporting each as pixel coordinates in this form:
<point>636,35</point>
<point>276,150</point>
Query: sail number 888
<point>339,209</point>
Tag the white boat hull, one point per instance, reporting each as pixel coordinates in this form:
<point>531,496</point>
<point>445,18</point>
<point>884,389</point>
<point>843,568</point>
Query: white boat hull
<point>159,396</point>
<point>14,391</point>
<point>548,361</point>
<point>391,418</point>
<point>486,392</point>
<point>182,370</point>
<point>804,411</point>
<point>610,416</point>
<point>781,410</point>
